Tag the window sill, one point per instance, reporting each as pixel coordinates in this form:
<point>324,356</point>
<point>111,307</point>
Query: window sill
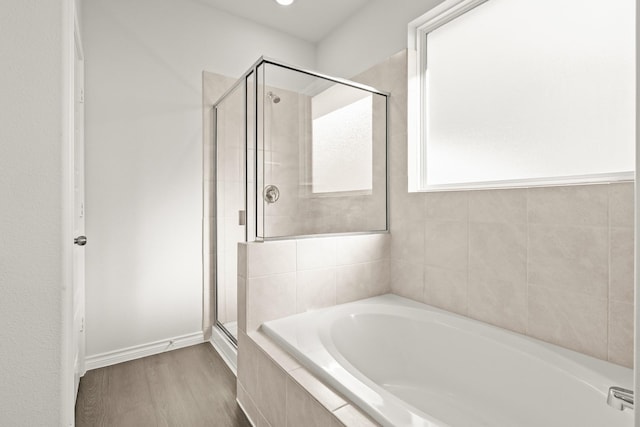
<point>534,182</point>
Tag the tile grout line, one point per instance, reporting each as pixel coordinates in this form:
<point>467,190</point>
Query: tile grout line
<point>608,306</point>
<point>467,311</point>
<point>526,291</point>
<point>423,262</point>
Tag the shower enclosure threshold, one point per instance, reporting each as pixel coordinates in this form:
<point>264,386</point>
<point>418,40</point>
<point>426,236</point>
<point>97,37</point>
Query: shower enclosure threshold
<point>225,348</point>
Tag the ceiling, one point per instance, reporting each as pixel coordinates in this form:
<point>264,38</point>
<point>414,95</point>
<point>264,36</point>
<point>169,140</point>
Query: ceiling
<point>310,20</point>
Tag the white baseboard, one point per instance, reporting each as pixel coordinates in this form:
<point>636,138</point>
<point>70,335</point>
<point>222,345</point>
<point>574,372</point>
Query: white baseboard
<point>136,352</point>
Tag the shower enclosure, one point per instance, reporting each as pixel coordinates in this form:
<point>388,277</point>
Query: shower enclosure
<point>296,154</point>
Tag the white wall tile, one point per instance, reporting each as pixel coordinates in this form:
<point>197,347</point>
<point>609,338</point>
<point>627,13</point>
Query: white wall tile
<point>242,304</point>
<point>315,289</point>
<point>498,302</point>
<point>362,248</point>
<point>270,297</point>
<point>247,403</point>
<point>271,258</point>
<point>398,113</point>
<point>622,204</point>
<point>446,289</point>
<point>581,205</point>
<point>381,277</point>
<point>446,244</point>
<point>407,279</point>
<point>407,242</point>
<point>571,319</point>
<point>398,167</point>
<point>242,259</point>
<point>447,205</point>
<point>358,281</point>
<point>248,364</point>
<point>498,206</point>
<point>498,250</point>
<point>304,410</point>
<point>621,333</point>
<point>622,259</point>
<point>352,282</point>
<point>272,391</point>
<point>569,258</point>
<point>316,253</point>
<point>404,206</point>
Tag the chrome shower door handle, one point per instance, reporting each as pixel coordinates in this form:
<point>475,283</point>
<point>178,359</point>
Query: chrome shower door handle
<point>80,240</point>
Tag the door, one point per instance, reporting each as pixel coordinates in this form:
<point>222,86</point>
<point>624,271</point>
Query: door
<point>230,207</point>
<point>78,216</point>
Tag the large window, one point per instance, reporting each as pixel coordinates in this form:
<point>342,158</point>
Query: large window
<point>526,92</point>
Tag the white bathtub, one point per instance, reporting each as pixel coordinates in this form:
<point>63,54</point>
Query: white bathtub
<point>410,364</point>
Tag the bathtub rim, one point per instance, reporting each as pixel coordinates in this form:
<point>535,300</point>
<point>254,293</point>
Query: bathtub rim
<point>569,360</point>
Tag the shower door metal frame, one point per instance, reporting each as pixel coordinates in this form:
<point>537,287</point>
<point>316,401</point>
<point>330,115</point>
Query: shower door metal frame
<point>254,69</point>
<point>253,138</point>
<point>215,106</point>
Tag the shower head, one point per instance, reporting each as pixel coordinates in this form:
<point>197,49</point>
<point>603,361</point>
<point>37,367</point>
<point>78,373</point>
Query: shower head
<point>273,97</point>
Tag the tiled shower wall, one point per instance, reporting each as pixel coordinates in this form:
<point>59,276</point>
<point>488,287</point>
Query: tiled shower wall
<point>555,263</point>
<point>286,145</point>
<point>281,278</point>
<point>283,147</point>
<point>280,146</point>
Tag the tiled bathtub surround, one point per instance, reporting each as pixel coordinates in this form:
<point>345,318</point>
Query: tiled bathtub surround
<point>280,278</point>
<point>555,263</point>
<point>275,391</point>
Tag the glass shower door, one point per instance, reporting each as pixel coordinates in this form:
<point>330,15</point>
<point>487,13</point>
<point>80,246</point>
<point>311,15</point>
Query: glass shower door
<point>322,155</point>
<point>230,200</point>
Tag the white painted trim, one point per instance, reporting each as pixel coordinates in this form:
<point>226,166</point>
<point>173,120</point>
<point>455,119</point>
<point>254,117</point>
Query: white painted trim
<point>535,182</point>
<point>416,132</point>
<point>143,350</point>
<point>437,17</point>
<point>416,64</point>
<point>67,352</point>
<point>414,122</point>
<point>225,349</point>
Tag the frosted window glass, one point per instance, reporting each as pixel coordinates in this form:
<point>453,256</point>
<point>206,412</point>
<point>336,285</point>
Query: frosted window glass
<point>531,89</point>
<point>342,154</point>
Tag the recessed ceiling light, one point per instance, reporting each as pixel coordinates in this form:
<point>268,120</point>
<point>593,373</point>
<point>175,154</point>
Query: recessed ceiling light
<point>284,2</point>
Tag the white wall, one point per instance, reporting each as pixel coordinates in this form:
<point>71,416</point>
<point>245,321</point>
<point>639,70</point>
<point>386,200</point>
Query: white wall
<point>31,180</point>
<point>370,36</point>
<point>144,63</point>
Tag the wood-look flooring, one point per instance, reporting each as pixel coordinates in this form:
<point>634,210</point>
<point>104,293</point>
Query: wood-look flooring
<point>186,387</point>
